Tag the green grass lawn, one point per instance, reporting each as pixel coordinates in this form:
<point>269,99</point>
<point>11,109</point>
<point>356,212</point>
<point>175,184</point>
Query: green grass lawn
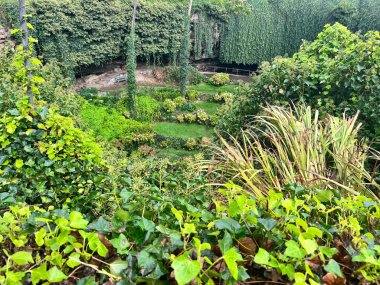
<point>175,154</point>
<point>176,130</point>
<point>210,89</point>
<point>209,107</point>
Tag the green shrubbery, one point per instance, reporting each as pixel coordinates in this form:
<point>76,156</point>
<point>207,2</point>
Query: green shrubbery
<point>172,75</point>
<point>338,72</point>
<point>219,79</point>
<point>45,160</point>
<point>111,125</point>
<point>147,109</point>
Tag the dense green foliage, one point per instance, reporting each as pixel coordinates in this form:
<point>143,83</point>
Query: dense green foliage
<point>46,160</point>
<point>292,199</point>
<point>111,125</point>
<point>338,72</point>
<point>220,79</point>
<point>82,39</point>
<point>278,27</point>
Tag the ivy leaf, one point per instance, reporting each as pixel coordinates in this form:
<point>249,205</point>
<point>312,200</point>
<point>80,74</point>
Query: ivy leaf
<point>268,224</point>
<point>77,221</point>
<point>262,257</point>
<point>73,260</point>
<point>226,243</point>
<point>230,258</point>
<point>185,270</point>
<point>228,224</point>
<point>118,266</point>
<point>22,258</point>
<point>121,244</point>
<point>309,245</point>
<point>147,225</point>
<point>40,236</point>
<point>328,252</point>
<point>333,268</point>
<point>55,275</point>
<point>39,273</point>
<point>87,281</point>
<point>19,163</point>
<point>293,250</point>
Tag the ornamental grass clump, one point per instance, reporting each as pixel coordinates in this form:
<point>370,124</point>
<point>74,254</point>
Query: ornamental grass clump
<point>283,147</point>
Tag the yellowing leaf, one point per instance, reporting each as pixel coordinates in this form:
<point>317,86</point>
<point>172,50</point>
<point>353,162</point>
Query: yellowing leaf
<point>19,163</point>
<point>22,258</point>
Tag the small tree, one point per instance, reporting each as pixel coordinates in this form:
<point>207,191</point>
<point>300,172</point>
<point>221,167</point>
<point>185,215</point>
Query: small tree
<point>131,62</point>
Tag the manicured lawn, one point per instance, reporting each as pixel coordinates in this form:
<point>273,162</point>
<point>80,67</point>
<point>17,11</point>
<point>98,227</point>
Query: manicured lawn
<point>173,153</point>
<point>209,107</point>
<point>210,89</point>
<point>176,130</point>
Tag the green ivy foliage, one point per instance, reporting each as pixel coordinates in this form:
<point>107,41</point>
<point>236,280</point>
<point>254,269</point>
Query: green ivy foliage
<point>131,73</point>
<point>338,72</point>
<point>45,160</point>
<point>184,55</point>
<point>278,27</point>
<point>111,125</point>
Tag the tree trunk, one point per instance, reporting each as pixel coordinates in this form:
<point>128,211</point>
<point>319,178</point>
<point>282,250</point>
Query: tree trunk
<point>25,47</point>
<point>185,50</point>
<point>131,63</point>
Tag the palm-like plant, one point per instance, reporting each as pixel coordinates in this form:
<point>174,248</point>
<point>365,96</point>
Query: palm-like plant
<point>284,147</point>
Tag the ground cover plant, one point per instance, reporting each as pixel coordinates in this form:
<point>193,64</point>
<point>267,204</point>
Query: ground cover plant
<point>96,188</point>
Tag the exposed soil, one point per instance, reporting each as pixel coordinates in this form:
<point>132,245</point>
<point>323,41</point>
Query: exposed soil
<point>114,76</point>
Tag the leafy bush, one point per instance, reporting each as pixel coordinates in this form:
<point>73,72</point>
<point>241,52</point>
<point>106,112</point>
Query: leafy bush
<point>192,95</point>
<point>169,106</point>
<point>110,125</point>
<point>220,79</point>
<point>223,97</point>
<point>147,109</point>
<point>180,101</point>
<point>298,148</point>
<point>300,236</point>
<point>194,76</point>
<point>45,160</point>
<point>166,93</point>
<point>40,246</point>
<point>336,73</point>
<point>189,107</point>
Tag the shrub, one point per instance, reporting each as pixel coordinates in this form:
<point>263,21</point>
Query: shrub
<point>169,106</point>
<point>166,93</point>
<point>220,79</point>
<point>189,107</point>
<point>223,97</point>
<point>110,125</point>
<point>181,118</point>
<point>202,116</point>
<point>180,101</point>
<point>329,74</point>
<point>298,147</point>
<point>194,76</point>
<point>192,95</point>
<point>147,109</point>
<point>191,144</point>
<point>189,117</point>
<point>46,160</point>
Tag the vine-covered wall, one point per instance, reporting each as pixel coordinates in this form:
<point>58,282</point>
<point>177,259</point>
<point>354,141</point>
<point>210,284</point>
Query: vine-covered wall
<point>277,27</point>
<point>83,33</point>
